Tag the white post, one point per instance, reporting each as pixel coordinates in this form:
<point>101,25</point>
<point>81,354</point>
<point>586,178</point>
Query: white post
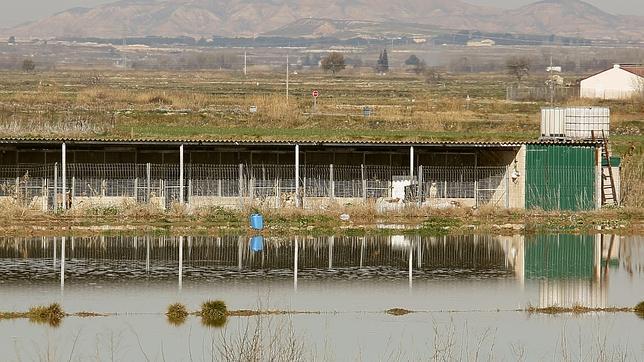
<point>56,186</point>
<point>411,162</point>
<point>297,175</point>
<point>332,183</point>
<point>148,175</point>
<point>64,175</point>
<point>287,76</point>
<point>181,174</point>
<point>245,65</point>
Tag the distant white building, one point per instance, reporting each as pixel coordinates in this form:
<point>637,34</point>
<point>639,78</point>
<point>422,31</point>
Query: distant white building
<point>620,82</point>
<point>481,43</point>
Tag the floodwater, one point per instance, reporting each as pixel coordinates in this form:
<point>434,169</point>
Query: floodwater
<point>466,288</point>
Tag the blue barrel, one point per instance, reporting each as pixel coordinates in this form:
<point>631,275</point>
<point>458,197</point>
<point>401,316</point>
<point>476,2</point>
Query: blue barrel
<point>257,221</point>
<point>257,243</point>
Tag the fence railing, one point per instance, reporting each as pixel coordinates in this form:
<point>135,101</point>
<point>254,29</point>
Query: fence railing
<point>239,185</point>
<point>543,93</point>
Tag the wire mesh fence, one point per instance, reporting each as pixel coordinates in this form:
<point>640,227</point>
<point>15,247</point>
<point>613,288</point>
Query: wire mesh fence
<point>203,184</point>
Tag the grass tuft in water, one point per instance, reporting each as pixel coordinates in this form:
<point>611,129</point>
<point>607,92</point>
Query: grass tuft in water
<point>51,314</point>
<point>639,309</point>
<point>398,311</point>
<point>177,314</point>
<point>214,313</point>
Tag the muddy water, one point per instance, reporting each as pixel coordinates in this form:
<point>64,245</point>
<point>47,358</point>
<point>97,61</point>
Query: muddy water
<point>465,287</point>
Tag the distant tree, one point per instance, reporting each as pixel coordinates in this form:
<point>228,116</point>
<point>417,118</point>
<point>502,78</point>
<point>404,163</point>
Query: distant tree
<point>12,40</point>
<point>28,65</point>
<point>415,64</point>
<point>334,62</point>
<point>412,60</point>
<point>383,62</point>
<point>518,67</point>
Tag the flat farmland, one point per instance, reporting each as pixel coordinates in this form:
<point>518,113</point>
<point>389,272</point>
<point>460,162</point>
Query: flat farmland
<point>217,104</point>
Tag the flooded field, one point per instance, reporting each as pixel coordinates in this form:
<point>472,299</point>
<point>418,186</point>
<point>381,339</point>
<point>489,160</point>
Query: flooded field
<point>470,295</point>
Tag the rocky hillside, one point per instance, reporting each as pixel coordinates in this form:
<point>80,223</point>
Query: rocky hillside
<point>204,18</point>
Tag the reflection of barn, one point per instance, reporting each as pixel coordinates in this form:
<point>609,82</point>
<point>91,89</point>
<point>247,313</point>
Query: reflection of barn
<point>566,267</point>
<point>439,256</point>
<point>305,174</point>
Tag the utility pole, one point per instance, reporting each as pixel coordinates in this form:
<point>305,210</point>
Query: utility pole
<point>552,84</point>
<point>287,76</point>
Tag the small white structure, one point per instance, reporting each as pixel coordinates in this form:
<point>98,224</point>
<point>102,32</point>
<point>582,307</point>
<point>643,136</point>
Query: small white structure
<point>620,82</point>
<point>481,43</point>
<point>575,122</point>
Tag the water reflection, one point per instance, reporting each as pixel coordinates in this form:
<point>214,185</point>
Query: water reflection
<point>567,270</point>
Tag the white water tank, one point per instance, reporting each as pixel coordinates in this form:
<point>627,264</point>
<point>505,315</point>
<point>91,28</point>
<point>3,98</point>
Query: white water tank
<point>577,123</point>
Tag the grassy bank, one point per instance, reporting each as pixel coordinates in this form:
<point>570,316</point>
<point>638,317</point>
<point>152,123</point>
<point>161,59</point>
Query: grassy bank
<point>362,220</point>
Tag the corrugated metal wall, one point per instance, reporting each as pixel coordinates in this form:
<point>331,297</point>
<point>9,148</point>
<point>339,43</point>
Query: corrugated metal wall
<point>560,177</point>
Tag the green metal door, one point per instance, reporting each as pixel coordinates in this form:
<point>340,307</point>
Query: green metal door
<point>560,177</point>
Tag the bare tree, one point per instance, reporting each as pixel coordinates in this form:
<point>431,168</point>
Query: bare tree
<point>28,65</point>
<point>518,67</point>
<point>333,62</point>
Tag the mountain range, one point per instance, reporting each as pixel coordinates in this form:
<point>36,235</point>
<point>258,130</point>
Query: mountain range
<point>205,18</point>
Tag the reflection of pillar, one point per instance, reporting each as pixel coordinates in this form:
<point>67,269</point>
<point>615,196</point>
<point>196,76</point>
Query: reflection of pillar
<point>572,292</point>
<point>62,264</point>
<point>330,240</point>
<point>419,251</point>
<point>411,253</point>
<point>362,251</point>
<point>518,250</point>
<point>180,262</point>
<point>597,260</point>
<point>55,242</point>
<point>295,257</point>
<point>240,250</point>
<point>147,254</point>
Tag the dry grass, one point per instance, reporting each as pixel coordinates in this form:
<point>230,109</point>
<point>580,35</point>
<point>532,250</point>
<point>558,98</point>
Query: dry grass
<point>52,314</point>
<point>177,314</point>
<point>398,311</point>
<point>213,313</point>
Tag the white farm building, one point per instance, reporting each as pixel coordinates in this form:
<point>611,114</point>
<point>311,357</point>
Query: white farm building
<point>620,82</point>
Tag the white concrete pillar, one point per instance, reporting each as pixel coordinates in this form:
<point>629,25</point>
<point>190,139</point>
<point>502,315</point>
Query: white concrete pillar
<point>411,162</point>
<point>297,176</point>
<point>64,174</point>
<point>181,174</point>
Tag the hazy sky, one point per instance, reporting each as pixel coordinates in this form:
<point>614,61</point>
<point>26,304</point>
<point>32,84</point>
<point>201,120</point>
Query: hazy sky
<point>13,12</point>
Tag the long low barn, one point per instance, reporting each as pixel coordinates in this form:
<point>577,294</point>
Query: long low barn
<point>52,173</point>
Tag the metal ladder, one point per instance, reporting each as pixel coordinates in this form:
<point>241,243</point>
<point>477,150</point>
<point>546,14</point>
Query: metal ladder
<point>609,195</point>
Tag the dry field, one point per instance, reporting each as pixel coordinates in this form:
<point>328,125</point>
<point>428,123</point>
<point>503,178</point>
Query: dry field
<point>217,104</point>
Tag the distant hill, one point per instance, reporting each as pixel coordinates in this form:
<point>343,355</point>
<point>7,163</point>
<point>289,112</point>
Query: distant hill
<point>204,18</point>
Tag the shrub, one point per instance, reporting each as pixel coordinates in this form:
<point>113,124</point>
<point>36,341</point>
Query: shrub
<point>51,314</point>
<point>177,313</point>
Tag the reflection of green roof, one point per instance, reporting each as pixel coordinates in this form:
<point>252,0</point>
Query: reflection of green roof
<point>559,256</point>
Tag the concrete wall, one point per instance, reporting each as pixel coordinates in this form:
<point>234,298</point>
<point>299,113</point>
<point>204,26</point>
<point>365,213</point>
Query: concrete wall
<point>516,185</point>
